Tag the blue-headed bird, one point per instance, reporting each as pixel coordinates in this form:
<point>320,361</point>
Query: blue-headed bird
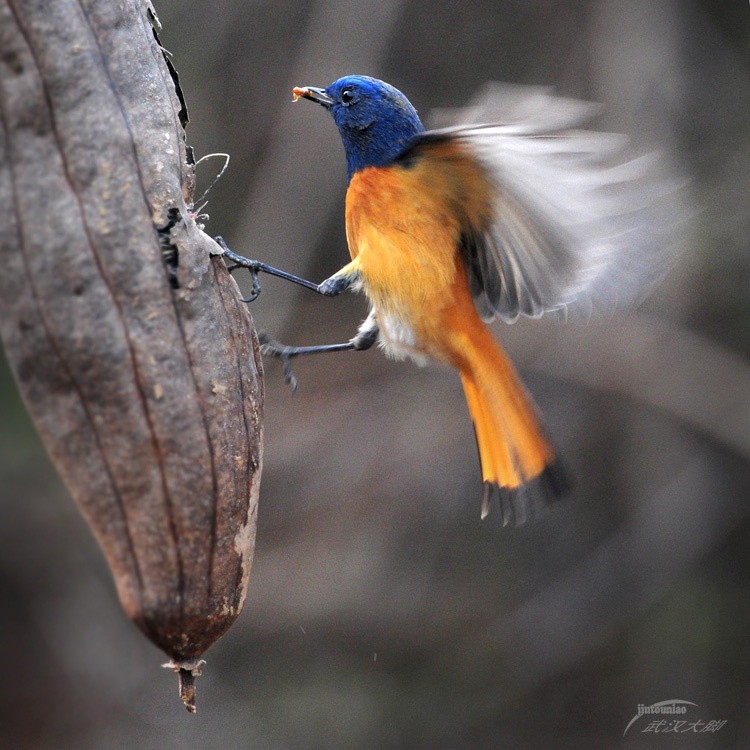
<point>449,228</point>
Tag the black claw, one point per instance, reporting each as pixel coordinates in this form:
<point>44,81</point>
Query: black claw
<point>289,376</point>
<point>255,291</point>
<point>256,286</point>
<point>271,348</point>
<point>234,261</point>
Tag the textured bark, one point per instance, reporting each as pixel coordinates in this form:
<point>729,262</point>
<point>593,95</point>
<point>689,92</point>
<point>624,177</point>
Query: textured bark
<point>134,354</point>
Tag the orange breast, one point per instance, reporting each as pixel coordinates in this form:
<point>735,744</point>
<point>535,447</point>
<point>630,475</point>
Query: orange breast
<point>404,225</point>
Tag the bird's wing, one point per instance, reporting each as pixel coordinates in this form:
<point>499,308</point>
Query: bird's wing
<point>574,225</point>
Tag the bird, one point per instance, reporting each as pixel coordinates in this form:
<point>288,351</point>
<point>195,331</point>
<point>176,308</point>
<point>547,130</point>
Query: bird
<point>451,227</point>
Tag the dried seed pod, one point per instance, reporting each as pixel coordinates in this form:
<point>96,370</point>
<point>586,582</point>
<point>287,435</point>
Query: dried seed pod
<point>136,358</point>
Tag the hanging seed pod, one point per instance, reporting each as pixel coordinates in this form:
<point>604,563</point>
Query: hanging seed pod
<point>135,357</point>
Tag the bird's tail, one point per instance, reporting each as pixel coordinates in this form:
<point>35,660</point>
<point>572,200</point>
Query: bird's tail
<point>518,461</point>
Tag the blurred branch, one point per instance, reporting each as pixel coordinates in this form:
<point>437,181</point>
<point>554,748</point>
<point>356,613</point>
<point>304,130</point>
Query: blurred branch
<point>652,361</point>
<point>135,357</point>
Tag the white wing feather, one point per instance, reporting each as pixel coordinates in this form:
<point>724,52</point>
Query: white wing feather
<point>578,226</point>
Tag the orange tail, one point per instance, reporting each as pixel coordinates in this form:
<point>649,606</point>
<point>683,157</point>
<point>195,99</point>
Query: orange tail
<point>518,461</point>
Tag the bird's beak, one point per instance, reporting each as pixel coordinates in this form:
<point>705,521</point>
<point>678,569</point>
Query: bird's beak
<point>313,94</point>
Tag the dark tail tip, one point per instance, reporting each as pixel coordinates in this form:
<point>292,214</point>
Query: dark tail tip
<point>519,504</point>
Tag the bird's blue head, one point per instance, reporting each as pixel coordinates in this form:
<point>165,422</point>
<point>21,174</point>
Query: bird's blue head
<point>375,120</point>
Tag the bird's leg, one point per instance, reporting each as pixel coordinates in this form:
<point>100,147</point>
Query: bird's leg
<point>366,336</point>
<point>332,286</point>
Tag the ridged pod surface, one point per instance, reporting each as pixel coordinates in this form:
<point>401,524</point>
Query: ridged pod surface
<point>131,347</point>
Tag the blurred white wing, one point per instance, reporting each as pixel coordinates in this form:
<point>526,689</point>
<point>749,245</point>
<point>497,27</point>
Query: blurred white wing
<point>577,226</point>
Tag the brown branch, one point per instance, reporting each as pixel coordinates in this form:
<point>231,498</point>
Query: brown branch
<point>653,361</point>
<point>135,356</point>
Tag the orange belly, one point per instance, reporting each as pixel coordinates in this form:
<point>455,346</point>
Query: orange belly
<point>406,245</point>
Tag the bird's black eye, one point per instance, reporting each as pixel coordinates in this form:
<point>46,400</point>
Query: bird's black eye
<point>347,96</point>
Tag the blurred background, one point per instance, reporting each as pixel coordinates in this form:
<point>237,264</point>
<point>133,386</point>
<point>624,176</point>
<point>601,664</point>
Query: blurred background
<point>381,613</point>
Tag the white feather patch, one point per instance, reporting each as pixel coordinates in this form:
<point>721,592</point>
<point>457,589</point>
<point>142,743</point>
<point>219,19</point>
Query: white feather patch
<point>397,337</point>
